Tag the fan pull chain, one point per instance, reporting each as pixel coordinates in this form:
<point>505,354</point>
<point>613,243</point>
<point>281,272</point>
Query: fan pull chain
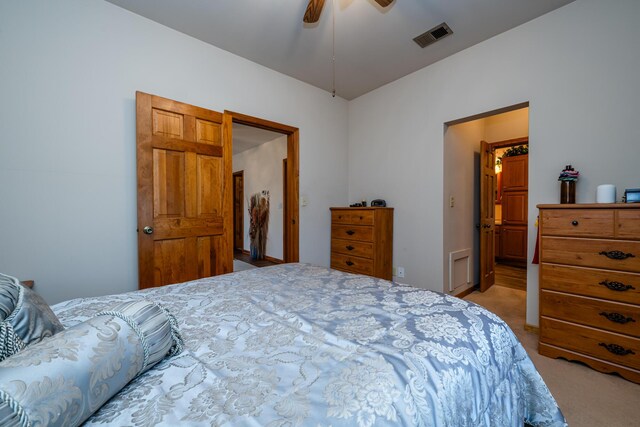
<point>333,53</point>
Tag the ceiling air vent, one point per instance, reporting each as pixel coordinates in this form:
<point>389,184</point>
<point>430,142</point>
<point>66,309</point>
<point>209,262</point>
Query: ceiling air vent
<point>433,35</point>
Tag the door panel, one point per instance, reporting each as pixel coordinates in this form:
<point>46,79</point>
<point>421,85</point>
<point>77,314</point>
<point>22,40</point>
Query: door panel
<point>515,207</point>
<point>168,183</point>
<point>209,198</point>
<point>184,195</point>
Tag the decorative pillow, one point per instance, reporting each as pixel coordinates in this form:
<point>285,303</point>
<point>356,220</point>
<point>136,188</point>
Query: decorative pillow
<point>26,317</point>
<point>61,381</point>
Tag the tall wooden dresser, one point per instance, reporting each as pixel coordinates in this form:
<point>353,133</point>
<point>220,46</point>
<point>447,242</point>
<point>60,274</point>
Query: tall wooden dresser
<point>362,240</point>
<point>590,285</point>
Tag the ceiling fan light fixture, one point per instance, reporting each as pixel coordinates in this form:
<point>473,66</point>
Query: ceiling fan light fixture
<point>314,9</point>
<point>384,3</point>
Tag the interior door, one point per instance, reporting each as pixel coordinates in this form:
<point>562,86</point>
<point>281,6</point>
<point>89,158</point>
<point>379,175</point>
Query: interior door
<point>238,210</point>
<point>487,215</point>
<point>184,191</point>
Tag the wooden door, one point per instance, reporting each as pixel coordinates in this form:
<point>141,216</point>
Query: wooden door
<point>515,173</point>
<point>487,215</point>
<point>515,208</point>
<point>238,210</point>
<point>514,243</point>
<point>184,191</point>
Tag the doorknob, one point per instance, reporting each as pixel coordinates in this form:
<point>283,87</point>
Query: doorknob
<point>147,230</point>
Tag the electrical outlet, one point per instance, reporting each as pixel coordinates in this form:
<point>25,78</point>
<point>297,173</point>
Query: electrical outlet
<point>400,271</point>
<point>452,201</point>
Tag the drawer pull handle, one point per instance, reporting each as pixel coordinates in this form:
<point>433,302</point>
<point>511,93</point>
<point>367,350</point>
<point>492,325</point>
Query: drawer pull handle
<point>349,263</point>
<point>617,255</point>
<point>350,232</point>
<point>617,317</point>
<point>350,248</point>
<point>361,218</point>
<point>617,349</point>
<point>574,223</point>
<point>616,286</point>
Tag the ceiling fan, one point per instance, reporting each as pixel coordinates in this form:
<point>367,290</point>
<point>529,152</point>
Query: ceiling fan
<point>314,8</point>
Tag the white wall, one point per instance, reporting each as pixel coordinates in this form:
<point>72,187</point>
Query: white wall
<point>69,71</point>
<point>510,125</point>
<point>262,168</point>
<point>582,85</point>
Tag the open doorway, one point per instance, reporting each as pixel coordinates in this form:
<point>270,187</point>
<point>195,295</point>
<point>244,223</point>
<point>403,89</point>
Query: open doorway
<point>471,244</point>
<point>265,168</point>
<point>511,212</point>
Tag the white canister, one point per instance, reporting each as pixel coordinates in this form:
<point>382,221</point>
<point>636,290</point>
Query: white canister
<point>606,193</point>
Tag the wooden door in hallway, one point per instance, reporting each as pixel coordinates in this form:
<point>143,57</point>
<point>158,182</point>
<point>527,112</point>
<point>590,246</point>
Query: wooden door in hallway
<point>487,215</point>
<point>238,210</point>
<point>185,207</point>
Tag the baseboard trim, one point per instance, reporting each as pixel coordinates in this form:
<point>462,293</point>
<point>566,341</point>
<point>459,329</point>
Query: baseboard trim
<point>266,257</point>
<point>467,291</point>
<point>531,328</point>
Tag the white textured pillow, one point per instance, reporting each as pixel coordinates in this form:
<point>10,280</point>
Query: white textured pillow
<point>26,317</point>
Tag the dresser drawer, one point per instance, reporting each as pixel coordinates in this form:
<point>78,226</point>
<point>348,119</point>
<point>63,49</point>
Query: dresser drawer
<point>352,247</point>
<point>352,264</point>
<point>591,282</point>
<point>612,316</point>
<point>355,217</point>
<point>591,253</point>
<point>578,223</point>
<point>604,345</point>
<point>628,224</point>
<point>352,232</point>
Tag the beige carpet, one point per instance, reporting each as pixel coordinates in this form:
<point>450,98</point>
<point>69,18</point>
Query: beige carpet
<point>240,265</point>
<point>587,398</point>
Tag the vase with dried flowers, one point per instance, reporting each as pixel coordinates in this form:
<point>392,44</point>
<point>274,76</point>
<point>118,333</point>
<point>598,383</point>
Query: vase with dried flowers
<point>568,178</point>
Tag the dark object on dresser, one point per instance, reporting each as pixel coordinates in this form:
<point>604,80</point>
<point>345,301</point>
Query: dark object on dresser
<point>632,195</point>
<point>378,203</point>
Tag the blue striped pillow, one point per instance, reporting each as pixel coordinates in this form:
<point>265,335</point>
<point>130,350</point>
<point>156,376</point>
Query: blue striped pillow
<point>63,380</point>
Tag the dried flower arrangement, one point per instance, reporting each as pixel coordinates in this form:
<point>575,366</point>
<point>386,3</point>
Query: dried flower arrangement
<point>259,224</point>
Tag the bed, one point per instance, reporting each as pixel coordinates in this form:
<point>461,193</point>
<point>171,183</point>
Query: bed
<point>298,344</point>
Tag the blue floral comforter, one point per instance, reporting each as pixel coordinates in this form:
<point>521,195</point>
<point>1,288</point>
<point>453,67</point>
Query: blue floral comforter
<point>299,344</point>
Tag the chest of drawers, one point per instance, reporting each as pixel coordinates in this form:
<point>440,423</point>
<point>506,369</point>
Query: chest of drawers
<point>362,241</point>
<point>590,285</point>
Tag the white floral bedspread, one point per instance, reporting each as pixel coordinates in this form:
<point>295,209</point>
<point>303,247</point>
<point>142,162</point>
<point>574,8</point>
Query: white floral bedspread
<point>299,344</point>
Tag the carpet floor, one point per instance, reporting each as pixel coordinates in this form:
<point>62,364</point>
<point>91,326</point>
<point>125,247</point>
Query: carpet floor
<point>587,398</point>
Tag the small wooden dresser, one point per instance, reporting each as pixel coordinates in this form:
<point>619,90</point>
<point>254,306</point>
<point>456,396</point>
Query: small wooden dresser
<point>362,241</point>
<point>590,285</point>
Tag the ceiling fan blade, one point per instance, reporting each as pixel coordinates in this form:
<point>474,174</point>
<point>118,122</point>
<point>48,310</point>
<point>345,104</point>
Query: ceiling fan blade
<point>314,8</point>
<point>384,3</point>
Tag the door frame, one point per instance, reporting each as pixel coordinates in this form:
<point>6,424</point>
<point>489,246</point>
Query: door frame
<point>241,198</point>
<point>291,235</point>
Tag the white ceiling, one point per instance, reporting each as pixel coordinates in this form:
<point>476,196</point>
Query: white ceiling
<point>373,46</point>
<point>247,137</point>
